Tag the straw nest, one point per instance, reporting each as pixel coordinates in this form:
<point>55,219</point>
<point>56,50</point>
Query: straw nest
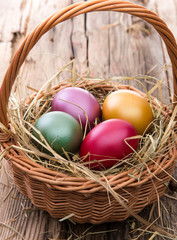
<point>153,145</point>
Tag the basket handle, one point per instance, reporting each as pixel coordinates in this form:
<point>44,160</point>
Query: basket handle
<point>70,12</point>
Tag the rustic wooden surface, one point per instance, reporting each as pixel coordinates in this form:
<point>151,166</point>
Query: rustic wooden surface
<point>104,45</point>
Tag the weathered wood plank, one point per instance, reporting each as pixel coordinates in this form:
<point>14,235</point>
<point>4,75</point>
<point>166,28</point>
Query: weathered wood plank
<point>52,52</point>
<point>98,44</point>
<point>169,16</point>
<point>135,49</point>
<point>79,41</point>
<point>9,14</point>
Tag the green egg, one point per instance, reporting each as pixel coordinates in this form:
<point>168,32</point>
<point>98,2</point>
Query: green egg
<point>60,130</point>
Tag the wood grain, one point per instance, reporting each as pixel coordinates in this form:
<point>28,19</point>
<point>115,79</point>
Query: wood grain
<point>104,45</point>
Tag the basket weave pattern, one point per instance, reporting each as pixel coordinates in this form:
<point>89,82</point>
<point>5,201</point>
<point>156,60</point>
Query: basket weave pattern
<point>60,194</point>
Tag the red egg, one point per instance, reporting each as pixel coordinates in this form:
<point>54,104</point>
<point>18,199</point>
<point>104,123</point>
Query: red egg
<point>105,145</point>
<point>79,103</point>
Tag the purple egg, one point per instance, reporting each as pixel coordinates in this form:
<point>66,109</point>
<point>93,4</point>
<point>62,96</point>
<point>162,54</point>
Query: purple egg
<point>78,103</point>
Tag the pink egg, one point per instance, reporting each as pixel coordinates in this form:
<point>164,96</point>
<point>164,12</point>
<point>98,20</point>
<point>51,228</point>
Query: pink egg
<point>105,145</point>
<point>79,103</point>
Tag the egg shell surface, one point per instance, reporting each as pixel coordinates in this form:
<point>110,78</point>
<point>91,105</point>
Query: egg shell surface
<point>105,144</point>
<point>130,106</point>
<point>60,130</point>
<point>79,103</point>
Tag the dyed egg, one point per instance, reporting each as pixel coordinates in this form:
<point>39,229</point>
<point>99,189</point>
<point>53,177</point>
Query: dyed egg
<point>105,145</point>
<point>130,106</point>
<point>79,103</point>
<point>60,130</point>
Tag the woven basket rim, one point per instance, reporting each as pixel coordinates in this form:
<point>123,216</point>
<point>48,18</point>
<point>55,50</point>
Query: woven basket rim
<point>83,184</point>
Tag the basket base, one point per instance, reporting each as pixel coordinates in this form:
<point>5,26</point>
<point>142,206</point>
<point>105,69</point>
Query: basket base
<point>82,208</point>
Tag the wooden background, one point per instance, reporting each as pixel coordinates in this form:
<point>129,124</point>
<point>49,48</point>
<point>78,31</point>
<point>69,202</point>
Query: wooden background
<point>103,45</point>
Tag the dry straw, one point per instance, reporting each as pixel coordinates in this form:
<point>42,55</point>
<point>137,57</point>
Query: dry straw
<point>65,187</point>
<point>24,114</point>
<point>153,145</point>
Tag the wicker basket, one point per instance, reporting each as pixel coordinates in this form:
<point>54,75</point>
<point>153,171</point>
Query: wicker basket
<point>60,194</point>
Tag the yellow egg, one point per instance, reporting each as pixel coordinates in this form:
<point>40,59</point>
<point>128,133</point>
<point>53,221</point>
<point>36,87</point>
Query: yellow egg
<point>130,106</point>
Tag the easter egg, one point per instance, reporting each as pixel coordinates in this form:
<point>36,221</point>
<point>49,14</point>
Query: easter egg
<point>60,130</point>
<point>105,145</point>
<point>130,106</point>
<point>79,103</point>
